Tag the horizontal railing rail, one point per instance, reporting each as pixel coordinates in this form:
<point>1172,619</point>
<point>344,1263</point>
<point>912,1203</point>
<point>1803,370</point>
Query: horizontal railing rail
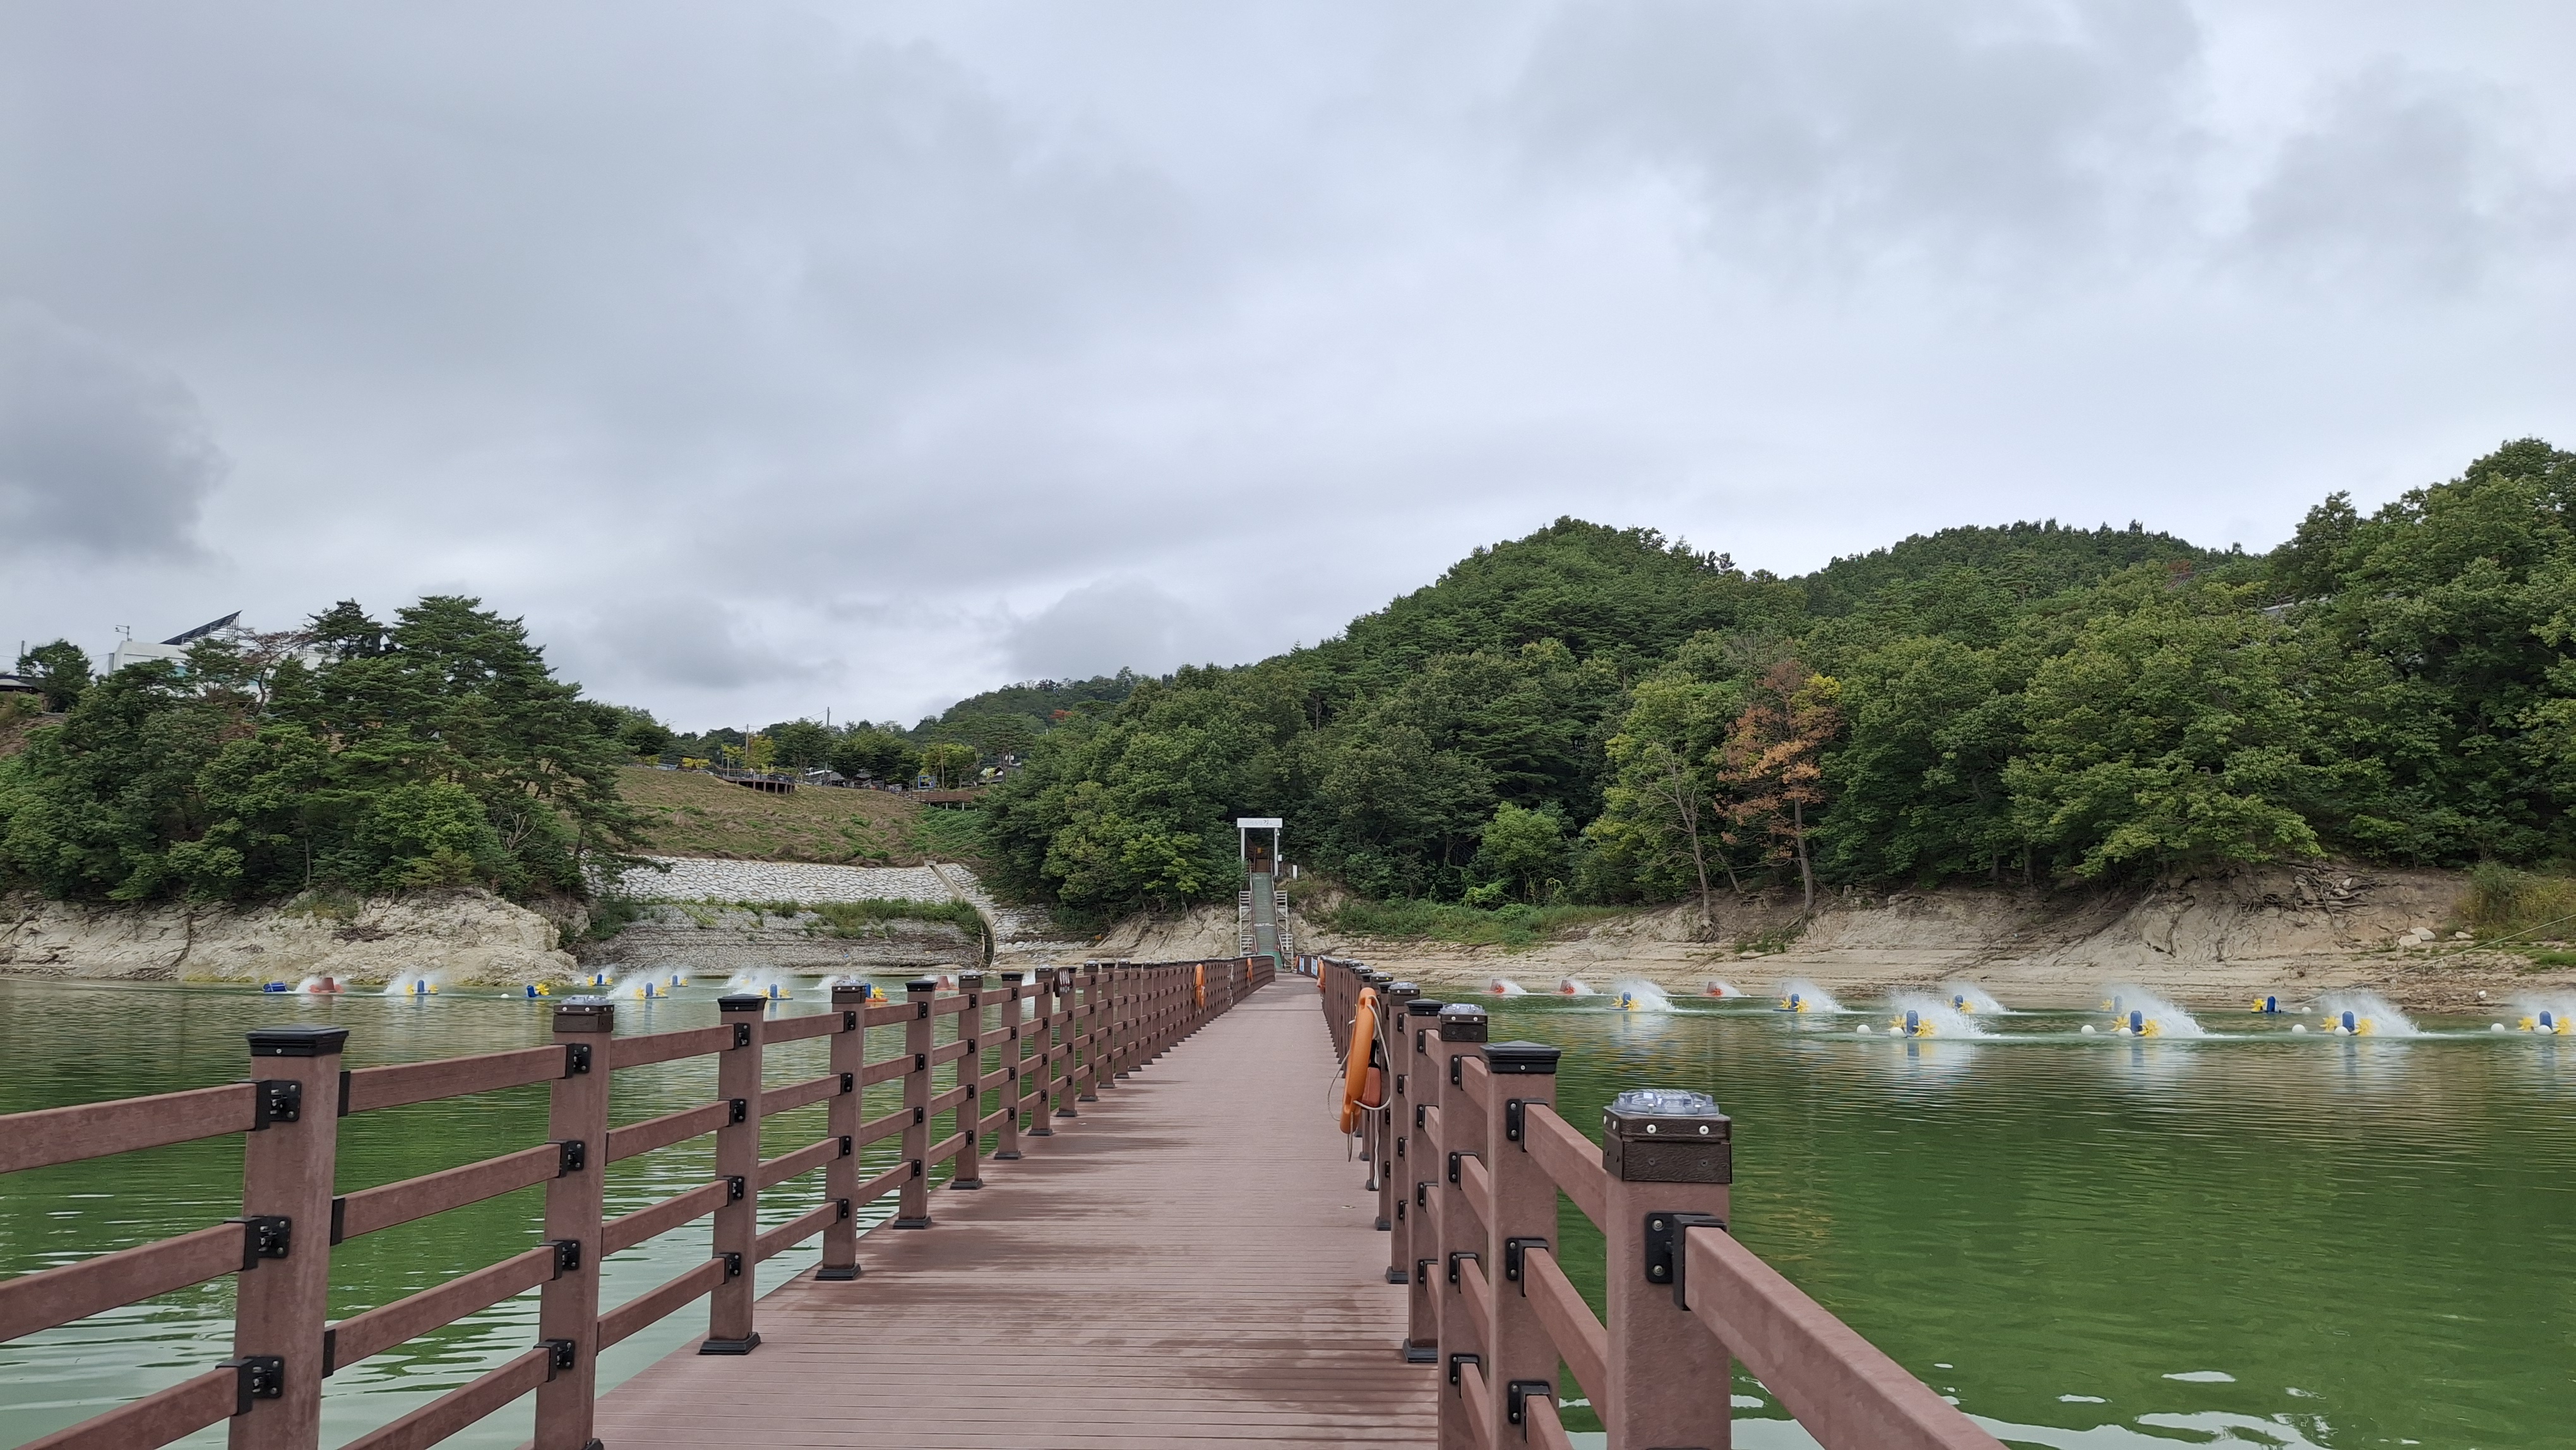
<point>1471,1156</point>
<point>1029,1049</point>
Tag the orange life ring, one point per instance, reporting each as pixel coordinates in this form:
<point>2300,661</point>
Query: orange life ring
<point>1362,1084</point>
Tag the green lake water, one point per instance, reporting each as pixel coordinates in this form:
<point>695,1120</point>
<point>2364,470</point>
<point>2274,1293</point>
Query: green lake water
<point>2249,1238</point>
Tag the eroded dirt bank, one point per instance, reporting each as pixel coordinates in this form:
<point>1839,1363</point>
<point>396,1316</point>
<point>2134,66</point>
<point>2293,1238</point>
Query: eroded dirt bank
<point>463,937</point>
<point>2204,941</point>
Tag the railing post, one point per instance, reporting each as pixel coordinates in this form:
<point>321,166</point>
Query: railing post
<point>1122,1020</point>
<point>1006,1147</point>
<point>842,1119</point>
<point>1670,1157</point>
<point>912,1208</point>
<point>1051,1104</point>
<point>1389,1050</point>
<point>1462,1134</point>
<point>1090,1017</point>
<point>969,1117</point>
<point>568,1304</point>
<point>280,1304</point>
<point>1413,1084</point>
<point>1420,1234</point>
<point>729,1328</point>
<point>1522,1218</point>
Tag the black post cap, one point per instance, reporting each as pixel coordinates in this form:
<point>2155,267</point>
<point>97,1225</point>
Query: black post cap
<point>1381,979</point>
<point>922,984</point>
<point>585,1014</point>
<point>1402,991</point>
<point>1665,1135</point>
<point>1462,1022</point>
<point>741,1002</point>
<point>850,993</point>
<point>1528,1059</point>
<point>298,1041</point>
<point>1015,978</point>
<point>1423,1007</point>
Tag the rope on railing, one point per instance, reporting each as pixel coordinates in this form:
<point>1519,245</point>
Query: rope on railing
<point>1060,1038</point>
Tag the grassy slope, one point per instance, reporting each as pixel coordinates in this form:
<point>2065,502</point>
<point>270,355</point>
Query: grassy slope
<point>689,814</point>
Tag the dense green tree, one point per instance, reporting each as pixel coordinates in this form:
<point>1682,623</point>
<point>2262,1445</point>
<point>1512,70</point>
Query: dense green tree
<point>1522,851</point>
<point>444,754</point>
<point>876,754</point>
<point>60,671</point>
<point>801,744</point>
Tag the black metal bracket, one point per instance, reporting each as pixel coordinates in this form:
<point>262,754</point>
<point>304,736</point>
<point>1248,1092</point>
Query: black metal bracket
<point>265,1236</point>
<point>1453,1164</point>
<point>1422,1270</point>
<point>921,1115</point>
<point>1665,1261</point>
<point>571,1156</point>
<point>1516,1399</point>
<point>843,1207</point>
<point>344,1093</point>
<point>921,1009</point>
<point>1456,1068</point>
<point>847,1148</point>
<point>732,1263</point>
<point>256,1377</point>
<point>1456,1360</point>
<point>734,1187</point>
<point>1512,1118</point>
<point>576,1059</point>
<point>916,1168</point>
<point>1422,1194</point>
<point>1462,1254</point>
<point>1417,1115</point>
<point>561,1355</point>
<point>973,1044</point>
<point>850,1020</point>
<point>849,1082</point>
<point>276,1100</point>
<point>339,1218</point>
<point>741,1110</point>
<point>1512,1258</point>
<point>742,1034</point>
<point>567,1256</point>
<point>921,1062</point>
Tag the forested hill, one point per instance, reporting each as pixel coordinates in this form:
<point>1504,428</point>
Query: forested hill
<point>1603,715</point>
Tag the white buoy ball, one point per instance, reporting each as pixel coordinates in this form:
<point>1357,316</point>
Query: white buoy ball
<point>1864,1029</point>
<point>2300,1028</point>
<point>2086,1029</point>
<point>2495,1027</point>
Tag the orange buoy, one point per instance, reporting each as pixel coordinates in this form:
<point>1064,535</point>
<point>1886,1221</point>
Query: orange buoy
<point>1362,1084</point>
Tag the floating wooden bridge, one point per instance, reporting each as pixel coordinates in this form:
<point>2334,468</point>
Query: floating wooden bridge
<point>1123,1215</point>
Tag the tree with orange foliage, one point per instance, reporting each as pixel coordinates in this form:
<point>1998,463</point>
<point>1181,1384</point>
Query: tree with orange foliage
<point>1771,762</point>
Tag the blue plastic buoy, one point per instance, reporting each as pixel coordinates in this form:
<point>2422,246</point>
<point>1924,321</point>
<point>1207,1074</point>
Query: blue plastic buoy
<point>2137,1024</point>
<point>2349,1023</point>
<point>1913,1022</point>
<point>275,987</point>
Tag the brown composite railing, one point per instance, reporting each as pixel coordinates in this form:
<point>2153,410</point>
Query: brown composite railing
<point>1041,1047</point>
<point>1470,1156</point>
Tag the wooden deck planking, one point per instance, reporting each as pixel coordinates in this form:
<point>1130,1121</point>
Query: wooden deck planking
<point>1190,1263</point>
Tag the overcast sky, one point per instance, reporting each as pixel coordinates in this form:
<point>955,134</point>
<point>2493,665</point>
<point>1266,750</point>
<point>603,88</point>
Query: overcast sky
<point>771,358</point>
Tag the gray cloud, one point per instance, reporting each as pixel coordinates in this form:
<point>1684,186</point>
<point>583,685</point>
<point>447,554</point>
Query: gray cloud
<point>2403,178</point>
<point>98,452</point>
<point>1112,623</point>
<point>1865,130</point>
<point>776,357</point>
